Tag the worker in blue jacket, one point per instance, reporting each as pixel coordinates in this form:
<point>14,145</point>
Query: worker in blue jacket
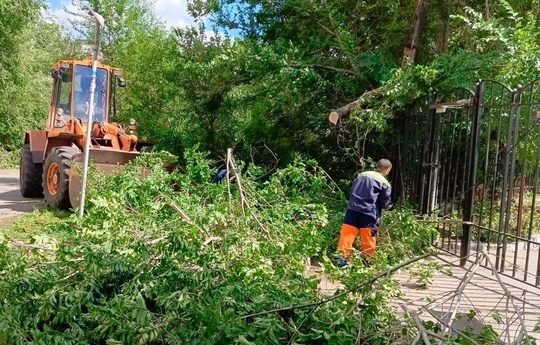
<point>221,175</point>
<point>370,194</point>
<point>224,174</point>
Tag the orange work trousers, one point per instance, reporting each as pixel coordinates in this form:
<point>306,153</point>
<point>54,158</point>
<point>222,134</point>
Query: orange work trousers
<point>368,237</point>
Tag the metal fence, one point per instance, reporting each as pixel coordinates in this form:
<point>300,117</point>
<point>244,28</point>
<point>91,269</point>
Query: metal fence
<point>477,173</point>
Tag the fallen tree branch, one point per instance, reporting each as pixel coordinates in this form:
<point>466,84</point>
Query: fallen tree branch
<point>32,246</point>
<point>228,167</point>
<point>459,292</point>
<point>341,113</point>
<point>335,69</point>
<point>181,212</point>
<point>231,166</point>
<point>331,298</point>
<point>45,263</point>
<point>448,314</point>
<point>435,335</point>
<point>523,331</point>
<point>276,162</point>
<point>186,218</point>
<point>210,240</point>
<point>155,241</point>
<point>421,329</point>
<point>359,335</point>
<point>296,329</point>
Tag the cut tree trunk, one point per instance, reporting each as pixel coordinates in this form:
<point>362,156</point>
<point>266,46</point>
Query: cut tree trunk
<point>338,114</point>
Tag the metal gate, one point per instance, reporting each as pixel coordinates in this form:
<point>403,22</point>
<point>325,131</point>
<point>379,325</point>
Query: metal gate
<point>480,175</point>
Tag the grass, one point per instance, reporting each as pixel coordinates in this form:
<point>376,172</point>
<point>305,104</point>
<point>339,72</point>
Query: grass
<point>40,227</point>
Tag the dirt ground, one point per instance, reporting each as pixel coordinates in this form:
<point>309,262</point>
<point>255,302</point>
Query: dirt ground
<point>12,204</point>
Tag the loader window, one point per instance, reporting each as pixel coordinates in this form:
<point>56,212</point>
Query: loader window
<point>81,91</point>
<point>64,96</point>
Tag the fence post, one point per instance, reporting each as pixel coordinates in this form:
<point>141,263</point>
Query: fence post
<point>513,141</point>
<point>468,205</point>
<point>426,157</point>
<point>434,160</point>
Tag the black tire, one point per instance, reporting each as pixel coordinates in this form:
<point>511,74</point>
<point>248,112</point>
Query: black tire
<point>56,177</point>
<point>30,175</point>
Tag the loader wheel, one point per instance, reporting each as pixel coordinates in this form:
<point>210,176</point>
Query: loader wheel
<point>56,177</point>
<point>30,175</point>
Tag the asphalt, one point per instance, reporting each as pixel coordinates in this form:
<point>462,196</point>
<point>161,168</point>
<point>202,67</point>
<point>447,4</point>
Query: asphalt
<point>12,204</point>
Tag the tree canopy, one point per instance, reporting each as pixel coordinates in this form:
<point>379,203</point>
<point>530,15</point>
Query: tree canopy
<point>262,76</point>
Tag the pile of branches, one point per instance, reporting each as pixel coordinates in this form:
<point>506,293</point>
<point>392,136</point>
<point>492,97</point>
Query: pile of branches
<point>179,259</point>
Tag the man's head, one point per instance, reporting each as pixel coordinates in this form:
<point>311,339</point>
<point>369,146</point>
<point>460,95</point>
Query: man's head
<point>384,166</point>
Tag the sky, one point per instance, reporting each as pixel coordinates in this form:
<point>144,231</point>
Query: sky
<point>172,12</point>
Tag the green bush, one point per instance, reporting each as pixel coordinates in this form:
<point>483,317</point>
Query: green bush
<point>9,159</point>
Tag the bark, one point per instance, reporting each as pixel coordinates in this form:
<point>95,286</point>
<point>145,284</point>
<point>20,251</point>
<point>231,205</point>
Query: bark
<point>338,114</point>
<point>410,52</point>
<point>442,39</point>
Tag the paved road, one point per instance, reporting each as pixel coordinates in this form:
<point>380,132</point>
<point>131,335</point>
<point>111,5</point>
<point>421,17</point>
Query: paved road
<point>12,204</point>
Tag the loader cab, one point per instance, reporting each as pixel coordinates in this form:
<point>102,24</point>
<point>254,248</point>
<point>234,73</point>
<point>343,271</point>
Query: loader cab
<point>71,92</point>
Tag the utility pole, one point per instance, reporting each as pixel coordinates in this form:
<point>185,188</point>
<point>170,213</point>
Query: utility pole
<point>100,24</point>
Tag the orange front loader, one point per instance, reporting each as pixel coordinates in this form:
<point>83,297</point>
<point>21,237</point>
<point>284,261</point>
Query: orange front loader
<point>49,157</point>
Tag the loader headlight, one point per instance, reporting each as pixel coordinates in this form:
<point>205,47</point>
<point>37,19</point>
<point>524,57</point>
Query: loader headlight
<point>132,126</point>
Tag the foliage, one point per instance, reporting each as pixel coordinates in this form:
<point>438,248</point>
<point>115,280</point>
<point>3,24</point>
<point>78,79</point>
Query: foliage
<point>424,273</point>
<point>135,270</point>
<point>262,76</point>
<point>404,236</point>
<point>20,14</point>
<point>510,35</point>
<point>29,46</point>
<point>289,63</point>
<point>9,159</point>
<point>331,51</point>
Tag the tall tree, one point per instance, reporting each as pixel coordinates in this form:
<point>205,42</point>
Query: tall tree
<point>30,45</point>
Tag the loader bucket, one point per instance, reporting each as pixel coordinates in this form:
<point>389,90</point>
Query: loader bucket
<point>108,161</point>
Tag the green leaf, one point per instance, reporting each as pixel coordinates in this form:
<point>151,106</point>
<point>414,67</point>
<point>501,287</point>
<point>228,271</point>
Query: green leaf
<point>242,340</point>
